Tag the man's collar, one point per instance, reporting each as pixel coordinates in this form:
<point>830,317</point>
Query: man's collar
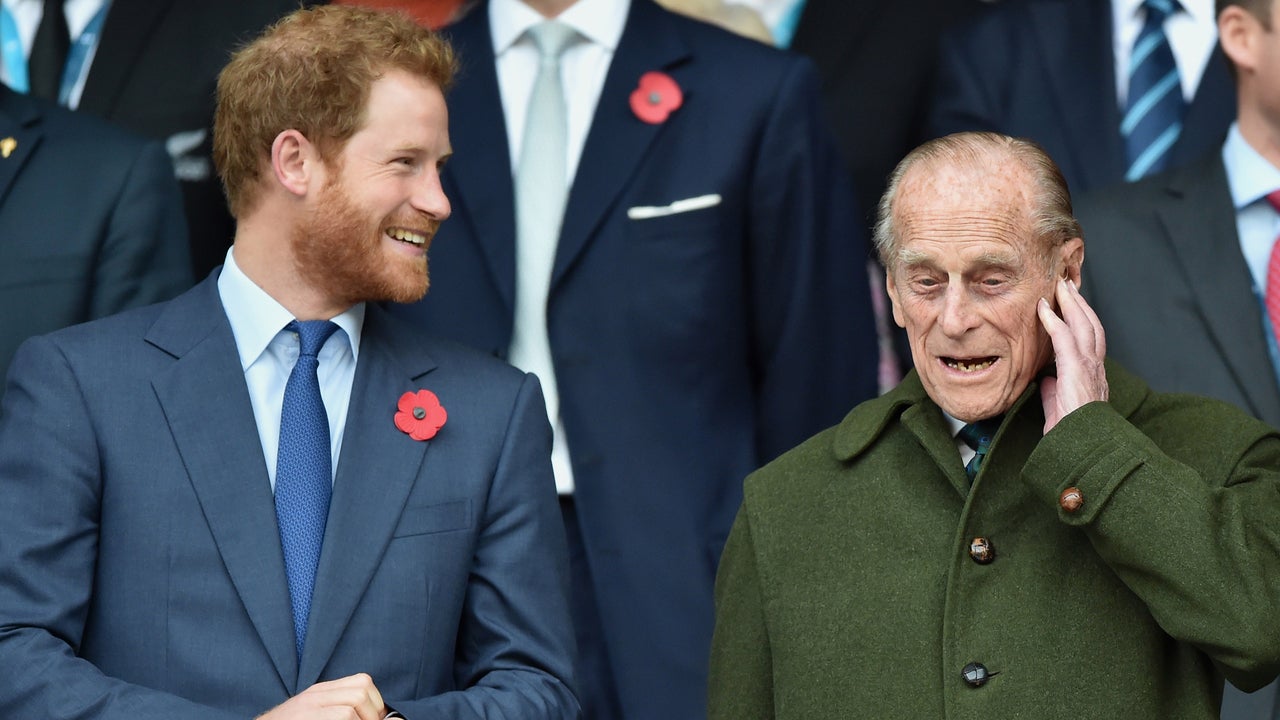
<point>600,21</point>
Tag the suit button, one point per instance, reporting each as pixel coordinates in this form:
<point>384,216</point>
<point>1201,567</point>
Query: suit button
<point>1071,499</point>
<point>976,675</point>
<point>981,551</point>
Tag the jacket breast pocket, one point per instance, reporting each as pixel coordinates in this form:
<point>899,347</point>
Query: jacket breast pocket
<point>428,519</point>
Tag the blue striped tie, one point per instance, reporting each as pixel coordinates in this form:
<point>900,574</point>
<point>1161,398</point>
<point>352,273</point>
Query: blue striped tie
<point>1153,118</point>
<point>304,471</point>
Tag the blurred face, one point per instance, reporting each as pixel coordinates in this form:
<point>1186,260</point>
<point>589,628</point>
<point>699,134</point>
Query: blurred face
<point>966,283</point>
<point>381,202</point>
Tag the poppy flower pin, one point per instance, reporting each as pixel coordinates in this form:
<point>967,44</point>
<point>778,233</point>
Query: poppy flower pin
<point>420,414</point>
<point>656,97</point>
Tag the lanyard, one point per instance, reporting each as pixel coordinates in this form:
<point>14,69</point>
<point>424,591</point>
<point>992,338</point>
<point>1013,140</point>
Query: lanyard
<point>15,60</point>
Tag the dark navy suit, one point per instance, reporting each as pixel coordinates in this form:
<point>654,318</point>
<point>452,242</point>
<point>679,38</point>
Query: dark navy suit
<point>90,221</point>
<point>1045,70</point>
<point>689,348</point>
<point>141,572</point>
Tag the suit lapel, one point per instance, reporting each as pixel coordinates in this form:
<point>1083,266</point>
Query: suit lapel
<point>1211,111</point>
<point>20,132</point>
<point>617,141</point>
<point>376,470</point>
<point>482,184</point>
<point>1074,37</point>
<point>128,25</point>
<point>1201,226</point>
<point>206,402</point>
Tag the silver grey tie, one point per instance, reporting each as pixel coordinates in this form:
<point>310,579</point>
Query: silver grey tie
<point>541,190</point>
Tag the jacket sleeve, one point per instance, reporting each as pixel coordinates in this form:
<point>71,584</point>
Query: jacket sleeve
<point>1189,521</point>
<point>741,680</point>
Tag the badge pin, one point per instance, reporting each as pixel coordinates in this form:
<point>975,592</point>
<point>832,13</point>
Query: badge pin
<point>7,146</point>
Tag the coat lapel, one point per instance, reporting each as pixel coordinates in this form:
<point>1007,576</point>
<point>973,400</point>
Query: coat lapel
<point>1201,226</point>
<point>20,134</point>
<point>128,25</point>
<point>1074,37</point>
<point>483,183</point>
<point>617,141</point>
<point>376,470</point>
<point>206,402</point>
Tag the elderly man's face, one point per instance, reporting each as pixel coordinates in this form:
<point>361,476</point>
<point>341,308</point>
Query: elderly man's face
<point>966,283</point>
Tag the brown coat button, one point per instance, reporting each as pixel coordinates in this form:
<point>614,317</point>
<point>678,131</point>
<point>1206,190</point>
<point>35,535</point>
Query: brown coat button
<point>981,551</point>
<point>1071,499</point>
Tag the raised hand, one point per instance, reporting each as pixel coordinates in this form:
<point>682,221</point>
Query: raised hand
<point>1080,345</point>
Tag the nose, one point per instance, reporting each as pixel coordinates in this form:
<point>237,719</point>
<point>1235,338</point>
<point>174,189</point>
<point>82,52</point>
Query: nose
<point>958,312</point>
<point>429,197</point>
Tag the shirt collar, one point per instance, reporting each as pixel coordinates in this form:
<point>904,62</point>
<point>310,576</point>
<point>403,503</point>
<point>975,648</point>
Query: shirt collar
<point>256,317</point>
<point>600,21</point>
<point>1249,175</point>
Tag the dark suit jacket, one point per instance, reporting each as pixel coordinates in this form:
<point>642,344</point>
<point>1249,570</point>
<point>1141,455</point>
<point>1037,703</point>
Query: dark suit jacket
<point>141,574</point>
<point>90,221</point>
<point>876,59</point>
<point>689,348</point>
<point>1044,69</point>
<point>1165,274</point>
<point>155,72</point>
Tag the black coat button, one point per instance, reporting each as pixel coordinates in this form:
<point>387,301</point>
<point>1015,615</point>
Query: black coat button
<point>976,675</point>
<point>981,551</point>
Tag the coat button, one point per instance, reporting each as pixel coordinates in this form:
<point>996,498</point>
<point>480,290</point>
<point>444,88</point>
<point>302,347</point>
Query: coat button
<point>976,675</point>
<point>981,551</point>
<point>1071,499</point>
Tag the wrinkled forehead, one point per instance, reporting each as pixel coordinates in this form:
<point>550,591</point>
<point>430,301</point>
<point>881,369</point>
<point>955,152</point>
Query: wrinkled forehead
<point>944,202</point>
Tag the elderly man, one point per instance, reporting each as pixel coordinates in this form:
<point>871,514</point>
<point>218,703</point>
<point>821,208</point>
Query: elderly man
<point>1107,551</point>
<point>267,495</point>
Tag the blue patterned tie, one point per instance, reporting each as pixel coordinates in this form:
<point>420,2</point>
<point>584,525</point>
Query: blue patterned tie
<point>1153,118</point>
<point>978,437</point>
<point>304,471</point>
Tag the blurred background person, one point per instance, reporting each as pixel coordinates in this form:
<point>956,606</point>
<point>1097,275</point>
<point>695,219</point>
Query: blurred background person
<point>1112,89</point>
<point>147,65</point>
<point>90,221</point>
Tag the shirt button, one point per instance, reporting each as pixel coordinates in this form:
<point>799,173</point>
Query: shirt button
<point>976,675</point>
<point>1071,499</point>
<point>981,551</point>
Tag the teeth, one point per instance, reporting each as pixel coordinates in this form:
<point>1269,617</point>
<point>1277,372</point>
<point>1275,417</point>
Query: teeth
<point>407,236</point>
<point>963,366</point>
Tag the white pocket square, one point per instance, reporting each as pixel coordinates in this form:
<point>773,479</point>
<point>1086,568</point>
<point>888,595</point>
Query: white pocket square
<point>644,212</point>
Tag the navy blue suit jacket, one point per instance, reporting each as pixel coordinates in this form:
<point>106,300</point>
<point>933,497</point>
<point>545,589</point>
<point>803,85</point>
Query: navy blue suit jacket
<point>688,348</point>
<point>1045,70</point>
<point>90,221</point>
<point>141,574</point>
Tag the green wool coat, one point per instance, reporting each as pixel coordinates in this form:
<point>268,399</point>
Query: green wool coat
<point>847,590</point>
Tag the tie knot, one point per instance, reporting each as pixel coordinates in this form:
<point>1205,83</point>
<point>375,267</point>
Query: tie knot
<point>552,38</point>
<point>1158,10</point>
<point>979,434</point>
<point>311,334</point>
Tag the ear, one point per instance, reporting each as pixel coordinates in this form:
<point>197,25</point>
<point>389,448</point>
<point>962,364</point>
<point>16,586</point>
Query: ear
<point>1071,255</point>
<point>1239,32</point>
<point>294,161</point>
<point>891,286</point>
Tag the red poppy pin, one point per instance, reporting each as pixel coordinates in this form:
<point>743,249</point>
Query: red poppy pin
<point>656,97</point>
<point>420,414</point>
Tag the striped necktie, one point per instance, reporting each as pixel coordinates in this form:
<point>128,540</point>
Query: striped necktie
<point>1153,117</point>
<point>978,435</point>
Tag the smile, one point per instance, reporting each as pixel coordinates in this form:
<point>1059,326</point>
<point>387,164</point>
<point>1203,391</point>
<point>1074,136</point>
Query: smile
<point>969,365</point>
<point>408,236</point>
